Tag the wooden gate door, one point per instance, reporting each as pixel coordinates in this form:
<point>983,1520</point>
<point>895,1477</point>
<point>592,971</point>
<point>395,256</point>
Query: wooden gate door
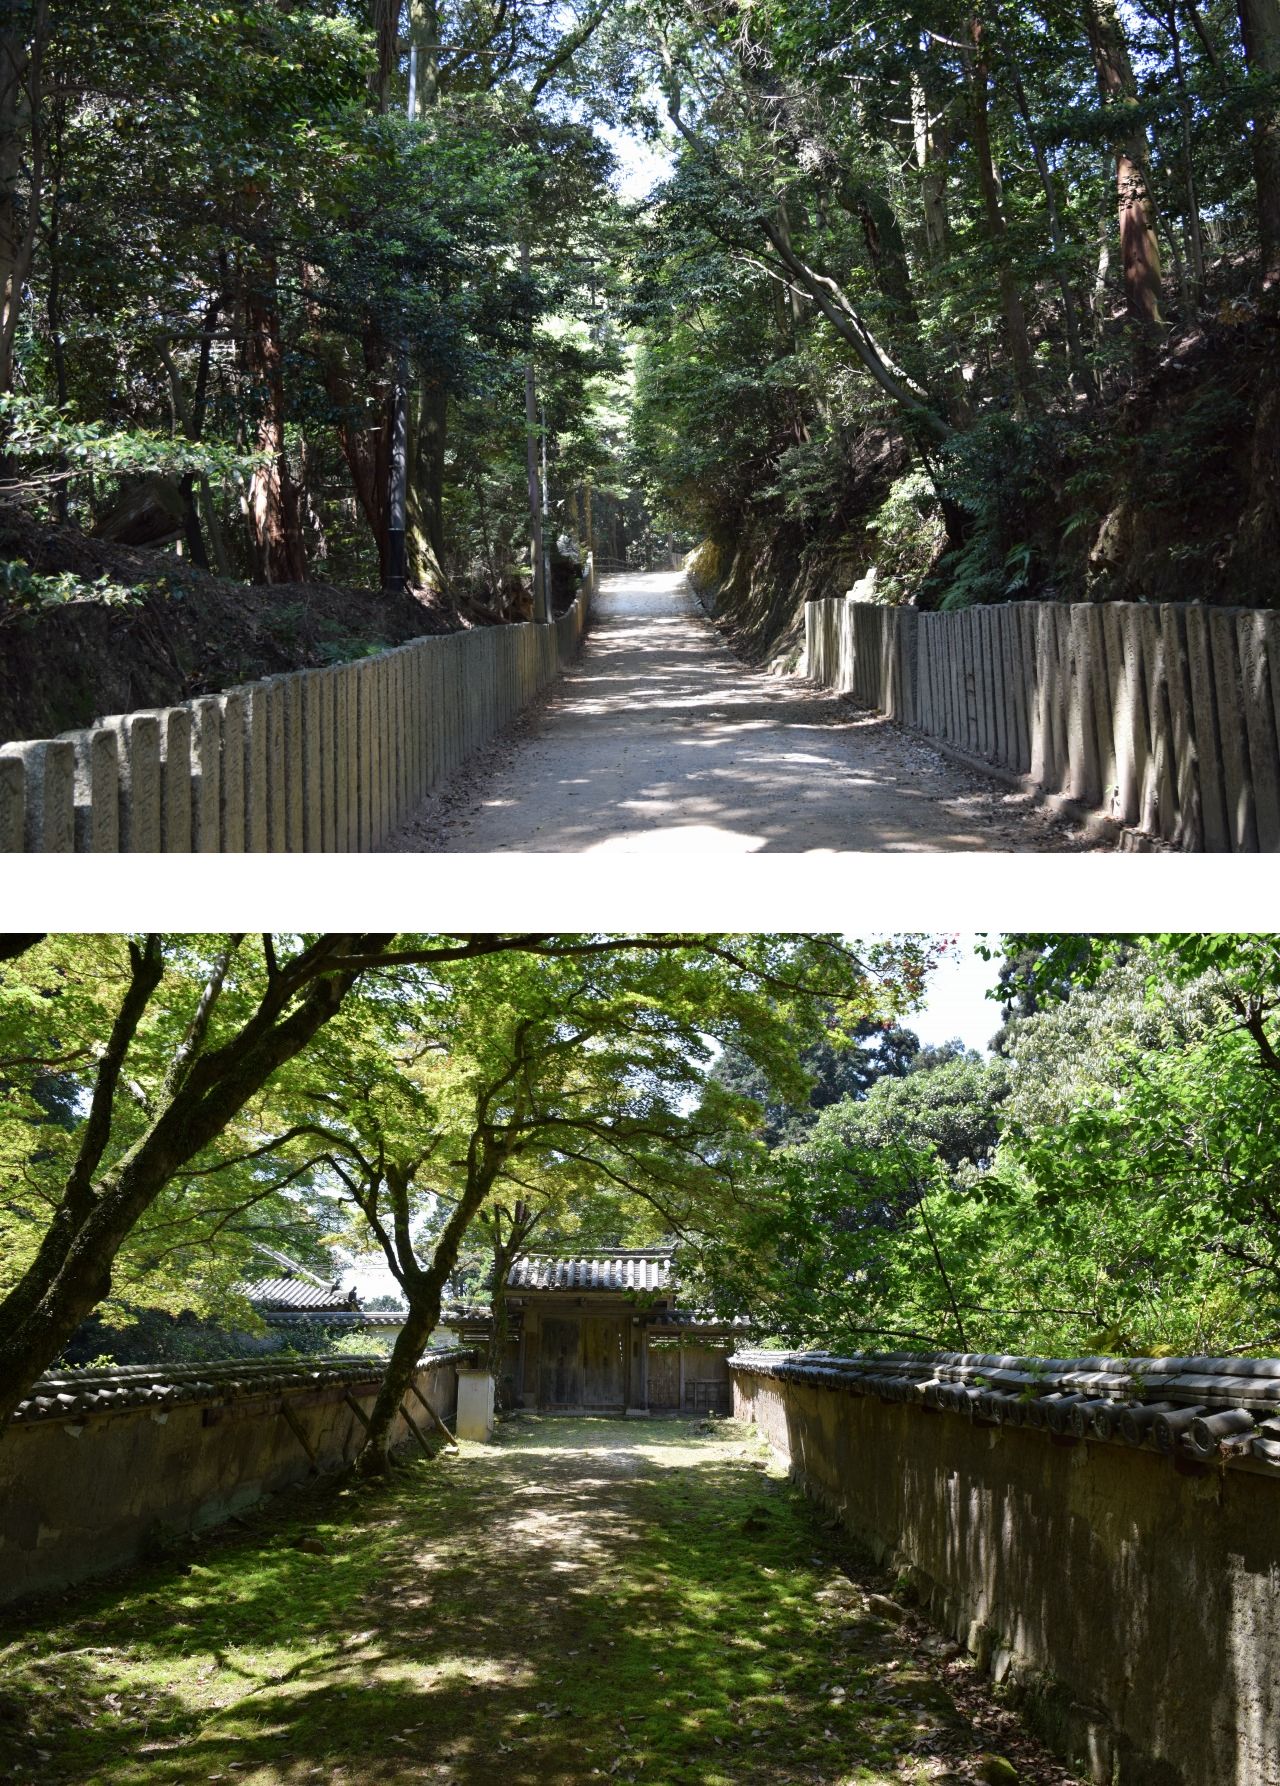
<point>664,1373</point>
<point>602,1361</point>
<point>560,1365</point>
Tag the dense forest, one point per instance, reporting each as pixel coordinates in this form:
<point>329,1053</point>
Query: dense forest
<point>327,296</point>
<point>1105,1180</point>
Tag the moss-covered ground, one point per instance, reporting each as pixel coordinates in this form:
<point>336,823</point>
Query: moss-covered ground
<point>581,1600</point>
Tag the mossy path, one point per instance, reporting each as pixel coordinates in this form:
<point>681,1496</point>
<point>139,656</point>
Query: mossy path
<point>581,1600</point>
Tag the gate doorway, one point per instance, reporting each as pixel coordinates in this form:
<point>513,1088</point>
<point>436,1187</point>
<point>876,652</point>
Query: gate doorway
<point>581,1363</point>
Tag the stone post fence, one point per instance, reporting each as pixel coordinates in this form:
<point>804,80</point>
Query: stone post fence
<point>331,759</point>
<point>1102,1535</point>
<point>1159,718</point>
<point>97,1465</point>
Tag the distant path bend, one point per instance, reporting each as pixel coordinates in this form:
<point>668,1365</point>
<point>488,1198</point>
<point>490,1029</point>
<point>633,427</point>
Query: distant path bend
<point>658,738</point>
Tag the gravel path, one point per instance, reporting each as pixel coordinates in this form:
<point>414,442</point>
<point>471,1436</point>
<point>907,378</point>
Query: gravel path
<point>658,739</point>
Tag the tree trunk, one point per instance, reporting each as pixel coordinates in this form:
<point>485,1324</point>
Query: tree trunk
<point>931,145</point>
<point>274,517</point>
<point>426,482</point>
<point>386,34</point>
<point>1070,324</point>
<point>1139,249</point>
<point>1015,316</point>
<point>361,402</point>
<point>23,37</point>
<point>424,1291</point>
<point>71,1273</point>
<point>506,1250</point>
<point>1260,29</point>
<point>1195,239</point>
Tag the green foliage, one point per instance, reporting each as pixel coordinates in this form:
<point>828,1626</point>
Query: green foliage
<point>584,1082</point>
<point>33,430</point>
<point>1109,1183</point>
<point>35,591</point>
<point>907,535</point>
<point>842,1066</point>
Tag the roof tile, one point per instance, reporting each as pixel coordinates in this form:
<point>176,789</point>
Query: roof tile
<point>639,1268</point>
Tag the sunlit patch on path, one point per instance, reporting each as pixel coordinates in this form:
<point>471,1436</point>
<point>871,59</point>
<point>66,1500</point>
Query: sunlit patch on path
<point>659,739</point>
<point>583,1600</point>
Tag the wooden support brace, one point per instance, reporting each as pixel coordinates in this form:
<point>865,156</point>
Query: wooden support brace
<point>435,1418</point>
<point>356,1409</point>
<point>417,1431</point>
<point>295,1427</point>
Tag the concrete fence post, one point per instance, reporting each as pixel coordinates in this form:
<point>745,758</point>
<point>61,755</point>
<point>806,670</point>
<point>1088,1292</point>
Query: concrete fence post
<point>206,774</point>
<point>97,793</point>
<point>290,768</point>
<point>1204,722</point>
<point>1188,827</point>
<point>138,751</point>
<point>232,788</point>
<point>257,836</point>
<point>1084,772</point>
<point>277,771</point>
<point>49,794</point>
<point>175,775</point>
<point>13,801</point>
<point>1255,642</point>
<point>1237,776</point>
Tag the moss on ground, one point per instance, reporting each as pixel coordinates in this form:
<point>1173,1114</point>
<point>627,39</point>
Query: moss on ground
<point>584,1599</point>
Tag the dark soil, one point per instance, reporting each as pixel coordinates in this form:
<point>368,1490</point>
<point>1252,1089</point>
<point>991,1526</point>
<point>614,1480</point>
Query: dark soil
<point>189,633</point>
<point>1167,492</point>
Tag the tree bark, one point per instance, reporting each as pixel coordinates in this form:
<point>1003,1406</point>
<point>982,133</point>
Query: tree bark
<point>1195,238</point>
<point>507,1248</point>
<point>1015,316</point>
<point>1139,249</point>
<point>23,39</point>
<point>929,136</point>
<point>386,35</point>
<point>1260,29</point>
<point>424,1290</point>
<point>426,482</point>
<point>1077,369</point>
<point>274,516</point>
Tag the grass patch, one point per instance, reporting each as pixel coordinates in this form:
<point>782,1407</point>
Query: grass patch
<point>584,1599</point>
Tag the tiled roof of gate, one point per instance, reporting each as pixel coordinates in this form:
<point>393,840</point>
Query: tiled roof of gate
<point>1223,1410</point>
<point>632,1268</point>
<point>280,1293</point>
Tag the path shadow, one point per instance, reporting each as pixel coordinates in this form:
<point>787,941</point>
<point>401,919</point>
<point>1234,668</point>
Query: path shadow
<point>585,1599</point>
<point>659,738</point>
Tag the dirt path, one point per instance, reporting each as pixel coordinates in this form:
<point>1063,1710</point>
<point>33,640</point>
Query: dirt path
<point>583,1600</point>
<point>659,739</point>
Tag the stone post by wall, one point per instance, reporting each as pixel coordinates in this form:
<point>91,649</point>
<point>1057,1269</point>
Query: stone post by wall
<point>318,760</point>
<point>1163,719</point>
